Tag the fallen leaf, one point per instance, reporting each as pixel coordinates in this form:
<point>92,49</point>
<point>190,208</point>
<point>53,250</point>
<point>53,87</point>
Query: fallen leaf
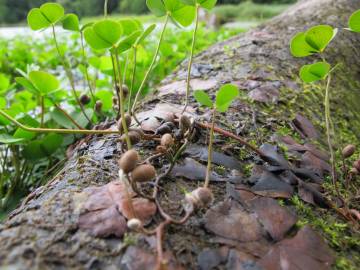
<point>229,220</point>
<point>272,156</point>
<point>193,170</point>
<point>270,185</point>
<point>305,127</point>
<point>305,251</point>
<point>276,219</point>
<point>104,211</point>
<point>201,153</point>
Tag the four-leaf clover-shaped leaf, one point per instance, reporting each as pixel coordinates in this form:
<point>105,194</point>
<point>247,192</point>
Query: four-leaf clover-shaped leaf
<point>48,14</point>
<point>224,97</point>
<point>314,40</point>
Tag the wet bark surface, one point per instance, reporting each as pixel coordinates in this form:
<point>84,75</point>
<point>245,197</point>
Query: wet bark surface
<point>245,227</point>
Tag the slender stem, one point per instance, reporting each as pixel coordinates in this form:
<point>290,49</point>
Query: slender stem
<point>56,130</point>
<point>105,8</point>
<point>191,58</point>
<point>233,136</point>
<point>69,74</point>
<point>87,77</point>
<point>68,116</point>
<point>125,67</point>
<point>329,130</point>
<point>211,139</point>
<point>115,84</point>
<point>132,77</point>
<point>122,107</point>
<point>151,65</point>
<point>42,105</point>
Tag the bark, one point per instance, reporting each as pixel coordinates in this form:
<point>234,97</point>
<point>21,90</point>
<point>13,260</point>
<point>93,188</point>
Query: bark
<point>43,232</point>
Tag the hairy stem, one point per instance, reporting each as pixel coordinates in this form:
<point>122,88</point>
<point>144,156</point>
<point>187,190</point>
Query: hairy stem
<point>151,65</point>
<point>122,107</point>
<point>87,77</point>
<point>68,116</point>
<point>105,8</point>
<point>188,79</point>
<point>115,84</point>
<point>329,131</point>
<point>69,74</point>
<point>132,77</point>
<point>211,139</point>
<point>56,130</point>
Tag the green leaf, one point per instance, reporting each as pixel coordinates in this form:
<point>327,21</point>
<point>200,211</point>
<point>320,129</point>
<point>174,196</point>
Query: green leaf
<point>354,21</point>
<point>44,82</point>
<point>94,40</point>
<point>2,102</point>
<point>108,30</point>
<point>51,143</point>
<point>36,20</point>
<point>27,135</point>
<point>27,84</point>
<point>130,25</point>
<point>156,7</point>
<point>126,43</point>
<point>53,12</point>
<point>38,149</point>
<point>315,40</point>
<point>299,47</point>
<point>184,15</point>
<point>43,17</point>
<point>106,99</point>
<point>203,98</point>
<point>71,22</point>
<point>225,96</point>
<point>4,83</point>
<point>61,119</point>
<point>145,34</point>
<point>103,34</point>
<point>8,139</point>
<point>189,2</point>
<point>320,36</point>
<point>314,72</point>
<point>207,4</point>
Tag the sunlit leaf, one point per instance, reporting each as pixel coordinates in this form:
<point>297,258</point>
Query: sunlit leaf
<point>126,43</point>
<point>314,72</point>
<point>44,82</point>
<point>203,98</point>
<point>145,33</point>
<point>320,36</point>
<point>156,7</point>
<point>354,21</point>
<point>225,96</point>
<point>4,83</point>
<point>71,22</point>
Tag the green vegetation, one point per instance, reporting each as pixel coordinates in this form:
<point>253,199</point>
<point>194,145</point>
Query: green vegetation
<point>314,41</point>
<point>224,97</point>
<point>24,63</point>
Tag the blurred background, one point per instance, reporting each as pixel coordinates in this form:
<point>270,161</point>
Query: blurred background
<point>15,11</point>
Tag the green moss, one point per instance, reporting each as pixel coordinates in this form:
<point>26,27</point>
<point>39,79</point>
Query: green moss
<point>338,234</point>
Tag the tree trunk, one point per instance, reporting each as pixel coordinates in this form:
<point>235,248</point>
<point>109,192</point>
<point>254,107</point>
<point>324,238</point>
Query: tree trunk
<point>44,232</point>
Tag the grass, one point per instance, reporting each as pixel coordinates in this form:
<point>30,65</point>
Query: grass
<point>248,11</point>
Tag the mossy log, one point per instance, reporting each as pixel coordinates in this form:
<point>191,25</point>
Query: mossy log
<point>43,232</point>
